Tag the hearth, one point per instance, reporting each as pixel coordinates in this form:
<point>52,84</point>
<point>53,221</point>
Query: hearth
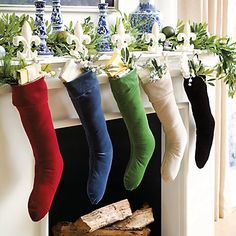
<point>71,200</point>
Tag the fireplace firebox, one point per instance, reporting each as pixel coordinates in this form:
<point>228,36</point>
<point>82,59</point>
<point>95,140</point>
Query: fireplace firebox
<point>71,200</point>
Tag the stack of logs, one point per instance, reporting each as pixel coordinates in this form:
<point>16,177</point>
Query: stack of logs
<point>115,219</point>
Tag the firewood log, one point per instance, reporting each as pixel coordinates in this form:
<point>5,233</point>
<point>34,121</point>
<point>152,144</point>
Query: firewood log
<point>68,229</point>
<point>104,216</point>
<point>139,219</point>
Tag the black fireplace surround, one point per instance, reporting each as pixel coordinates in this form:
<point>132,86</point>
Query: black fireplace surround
<point>71,200</point>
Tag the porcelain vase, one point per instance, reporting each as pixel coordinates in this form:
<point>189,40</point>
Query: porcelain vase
<point>145,16</point>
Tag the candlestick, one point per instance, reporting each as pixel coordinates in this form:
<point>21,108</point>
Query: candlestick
<point>103,29</point>
<point>41,27</point>
<point>56,18</point>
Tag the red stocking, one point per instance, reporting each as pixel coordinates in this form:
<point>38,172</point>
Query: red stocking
<point>31,100</point>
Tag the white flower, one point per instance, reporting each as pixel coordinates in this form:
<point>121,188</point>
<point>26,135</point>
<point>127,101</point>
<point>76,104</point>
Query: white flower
<point>53,73</point>
<point>195,60</point>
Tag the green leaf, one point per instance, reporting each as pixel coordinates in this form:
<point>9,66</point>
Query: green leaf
<point>211,84</point>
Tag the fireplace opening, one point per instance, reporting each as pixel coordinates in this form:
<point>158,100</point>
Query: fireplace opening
<point>71,200</point>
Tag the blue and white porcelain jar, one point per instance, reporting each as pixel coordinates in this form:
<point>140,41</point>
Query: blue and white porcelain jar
<point>145,16</point>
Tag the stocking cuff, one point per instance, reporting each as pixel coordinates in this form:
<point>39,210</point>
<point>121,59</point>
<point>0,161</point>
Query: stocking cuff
<point>30,94</point>
<point>159,89</point>
<point>195,83</point>
<point>82,84</point>
<point>125,83</point>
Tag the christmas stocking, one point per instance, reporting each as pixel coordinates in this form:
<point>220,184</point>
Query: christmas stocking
<point>127,95</point>
<point>31,100</point>
<point>160,94</point>
<point>85,95</point>
<point>196,91</point>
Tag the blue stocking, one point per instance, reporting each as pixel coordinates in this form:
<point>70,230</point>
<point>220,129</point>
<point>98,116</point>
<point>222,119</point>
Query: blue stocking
<point>85,95</point>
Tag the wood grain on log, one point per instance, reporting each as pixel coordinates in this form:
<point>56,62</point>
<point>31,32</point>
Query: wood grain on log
<point>104,216</point>
<point>70,230</point>
<point>65,229</point>
<point>110,232</point>
<point>126,223</point>
<point>139,219</point>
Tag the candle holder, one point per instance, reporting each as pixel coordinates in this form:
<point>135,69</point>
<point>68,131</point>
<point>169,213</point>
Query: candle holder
<point>103,29</point>
<point>56,18</point>
<point>41,28</point>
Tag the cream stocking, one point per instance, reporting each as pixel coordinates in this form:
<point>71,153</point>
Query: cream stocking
<point>160,94</point>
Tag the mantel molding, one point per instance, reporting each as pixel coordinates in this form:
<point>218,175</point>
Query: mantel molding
<point>171,58</point>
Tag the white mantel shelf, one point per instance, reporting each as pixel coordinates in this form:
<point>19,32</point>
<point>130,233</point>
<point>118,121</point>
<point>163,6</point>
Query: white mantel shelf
<point>187,210</point>
<point>58,62</point>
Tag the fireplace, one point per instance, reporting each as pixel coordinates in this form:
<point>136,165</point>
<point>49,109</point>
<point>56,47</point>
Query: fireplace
<point>71,200</point>
<point>186,209</point>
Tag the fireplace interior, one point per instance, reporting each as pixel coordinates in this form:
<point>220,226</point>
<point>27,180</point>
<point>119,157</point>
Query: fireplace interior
<point>71,200</point>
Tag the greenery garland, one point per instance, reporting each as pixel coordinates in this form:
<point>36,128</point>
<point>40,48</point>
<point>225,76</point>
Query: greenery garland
<point>8,71</point>
<point>223,47</point>
<point>10,26</point>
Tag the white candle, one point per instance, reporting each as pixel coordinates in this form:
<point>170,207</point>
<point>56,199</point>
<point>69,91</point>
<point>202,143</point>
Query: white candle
<point>103,1</point>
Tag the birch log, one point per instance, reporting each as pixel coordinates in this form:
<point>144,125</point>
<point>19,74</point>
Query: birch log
<point>70,230</point>
<point>104,216</point>
<point>138,220</point>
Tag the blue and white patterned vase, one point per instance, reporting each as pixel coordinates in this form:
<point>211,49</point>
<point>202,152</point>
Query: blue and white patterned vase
<point>56,18</point>
<point>145,16</point>
<point>41,27</point>
<point>103,29</point>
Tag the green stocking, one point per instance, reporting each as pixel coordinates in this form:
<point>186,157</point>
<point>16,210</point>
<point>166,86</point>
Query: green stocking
<point>127,95</point>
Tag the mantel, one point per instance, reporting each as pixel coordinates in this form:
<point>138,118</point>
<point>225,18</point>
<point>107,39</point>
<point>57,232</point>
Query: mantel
<point>63,113</point>
<point>172,59</point>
